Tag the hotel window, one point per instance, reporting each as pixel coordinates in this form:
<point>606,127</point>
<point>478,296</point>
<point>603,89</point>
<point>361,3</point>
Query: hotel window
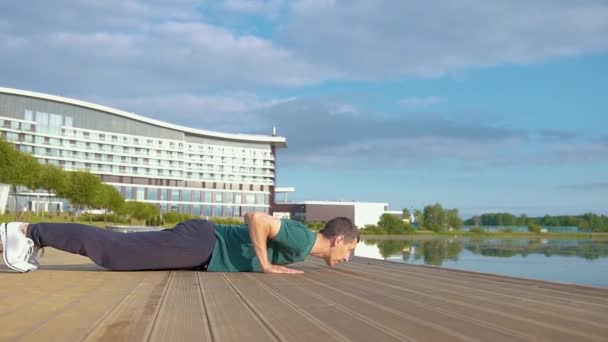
<point>128,192</point>
<point>238,198</point>
<point>42,118</point>
<point>174,195</point>
<point>28,115</point>
<point>250,199</point>
<point>207,197</point>
<point>218,197</point>
<point>207,210</point>
<point>152,194</point>
<point>196,210</point>
<point>218,211</point>
<point>187,195</point>
<point>141,194</point>
<point>197,196</point>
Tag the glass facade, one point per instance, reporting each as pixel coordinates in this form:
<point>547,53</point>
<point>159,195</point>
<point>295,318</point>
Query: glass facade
<point>177,170</point>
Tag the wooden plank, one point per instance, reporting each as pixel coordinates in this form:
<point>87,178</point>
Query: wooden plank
<point>181,316</point>
<point>71,299</point>
<point>130,320</point>
<point>85,313</point>
<point>28,317</point>
<point>523,307</point>
<point>424,321</point>
<point>319,320</point>
<point>35,286</point>
<point>558,301</point>
<point>230,319</point>
<point>461,315</point>
<point>547,291</point>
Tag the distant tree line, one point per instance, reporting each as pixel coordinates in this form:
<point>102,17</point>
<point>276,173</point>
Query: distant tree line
<point>433,217</point>
<point>594,222</point>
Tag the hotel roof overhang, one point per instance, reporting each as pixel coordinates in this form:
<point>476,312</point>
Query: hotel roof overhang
<point>277,141</point>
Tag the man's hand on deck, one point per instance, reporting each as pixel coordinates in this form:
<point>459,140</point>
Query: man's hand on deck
<point>281,269</point>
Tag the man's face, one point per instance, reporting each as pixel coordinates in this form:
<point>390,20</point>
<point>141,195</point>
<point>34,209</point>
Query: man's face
<point>339,250</point>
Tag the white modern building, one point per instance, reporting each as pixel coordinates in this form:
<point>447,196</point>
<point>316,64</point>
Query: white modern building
<point>182,169</point>
<point>361,213</point>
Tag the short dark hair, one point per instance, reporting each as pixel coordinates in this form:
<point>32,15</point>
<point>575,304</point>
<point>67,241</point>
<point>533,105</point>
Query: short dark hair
<point>341,226</point>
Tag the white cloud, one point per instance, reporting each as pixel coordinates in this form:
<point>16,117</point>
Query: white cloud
<point>421,102</point>
<point>138,51</point>
<point>342,109</point>
<point>232,112</point>
<point>259,7</point>
<point>390,39</point>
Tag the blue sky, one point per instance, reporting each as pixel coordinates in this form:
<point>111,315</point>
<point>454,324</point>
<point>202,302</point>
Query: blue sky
<point>481,105</point>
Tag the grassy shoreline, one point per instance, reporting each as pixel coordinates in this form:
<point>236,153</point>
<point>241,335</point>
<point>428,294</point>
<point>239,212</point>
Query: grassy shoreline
<point>428,235</point>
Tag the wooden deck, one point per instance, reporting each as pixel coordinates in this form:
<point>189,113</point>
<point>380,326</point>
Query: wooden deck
<point>70,299</point>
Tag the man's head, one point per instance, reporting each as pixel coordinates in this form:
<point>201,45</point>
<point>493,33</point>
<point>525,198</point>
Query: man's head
<point>343,236</point>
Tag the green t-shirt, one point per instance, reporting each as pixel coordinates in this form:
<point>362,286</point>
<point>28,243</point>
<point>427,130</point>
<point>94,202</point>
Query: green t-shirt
<point>233,251</point>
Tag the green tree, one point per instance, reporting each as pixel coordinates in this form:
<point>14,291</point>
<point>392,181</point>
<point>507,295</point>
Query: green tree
<point>534,228</point>
<point>454,221</point>
<point>435,218</point>
<point>550,221</point>
<point>406,214</point>
<point>393,225</point>
<point>110,199</point>
<point>139,210</point>
<point>83,190</point>
<point>52,178</point>
<point>17,169</point>
<point>419,216</point>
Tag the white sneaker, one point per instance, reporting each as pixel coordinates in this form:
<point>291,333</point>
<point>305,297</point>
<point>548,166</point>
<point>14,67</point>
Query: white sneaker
<point>17,248</point>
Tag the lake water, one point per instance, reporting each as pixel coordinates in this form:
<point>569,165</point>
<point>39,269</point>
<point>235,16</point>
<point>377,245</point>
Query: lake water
<point>583,262</point>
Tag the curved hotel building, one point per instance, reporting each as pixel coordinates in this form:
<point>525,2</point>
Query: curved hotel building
<point>178,168</point>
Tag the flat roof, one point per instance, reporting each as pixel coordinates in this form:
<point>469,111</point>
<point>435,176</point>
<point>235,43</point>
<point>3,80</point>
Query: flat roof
<point>274,140</point>
<point>285,189</point>
<point>341,203</point>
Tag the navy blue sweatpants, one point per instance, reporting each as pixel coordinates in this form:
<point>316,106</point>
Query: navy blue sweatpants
<point>188,245</point>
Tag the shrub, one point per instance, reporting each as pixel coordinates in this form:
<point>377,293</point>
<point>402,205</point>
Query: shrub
<point>477,230</point>
<point>315,225</point>
<point>227,220</point>
<point>534,228</point>
<point>155,221</point>
<point>175,217</point>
